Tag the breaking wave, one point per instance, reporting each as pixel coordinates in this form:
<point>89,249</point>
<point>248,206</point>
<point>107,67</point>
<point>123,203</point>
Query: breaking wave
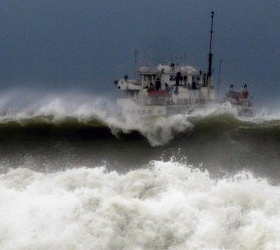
<point>157,130</point>
<point>49,200</point>
<point>167,205</point>
<point>70,115</point>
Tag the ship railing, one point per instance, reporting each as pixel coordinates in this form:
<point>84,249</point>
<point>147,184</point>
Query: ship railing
<point>246,103</point>
<point>156,100</point>
<point>168,101</point>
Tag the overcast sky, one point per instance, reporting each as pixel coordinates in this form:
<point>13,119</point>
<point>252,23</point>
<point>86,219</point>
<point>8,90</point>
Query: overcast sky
<point>87,44</point>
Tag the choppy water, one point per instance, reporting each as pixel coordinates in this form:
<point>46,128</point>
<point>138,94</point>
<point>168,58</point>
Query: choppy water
<point>166,206</point>
<point>74,175</point>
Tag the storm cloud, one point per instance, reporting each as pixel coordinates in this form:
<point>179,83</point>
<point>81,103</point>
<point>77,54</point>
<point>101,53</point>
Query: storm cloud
<point>85,45</point>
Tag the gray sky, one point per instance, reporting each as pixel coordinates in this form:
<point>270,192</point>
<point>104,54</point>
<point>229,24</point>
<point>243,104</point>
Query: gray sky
<point>86,44</point>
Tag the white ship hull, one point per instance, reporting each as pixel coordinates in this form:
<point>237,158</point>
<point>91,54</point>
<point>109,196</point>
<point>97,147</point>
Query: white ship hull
<point>131,109</point>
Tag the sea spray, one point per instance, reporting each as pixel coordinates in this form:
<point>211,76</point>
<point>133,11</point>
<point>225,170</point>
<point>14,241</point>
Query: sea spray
<point>69,112</point>
<point>168,205</point>
<point>93,111</point>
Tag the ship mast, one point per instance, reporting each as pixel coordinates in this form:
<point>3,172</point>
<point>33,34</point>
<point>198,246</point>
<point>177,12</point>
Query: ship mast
<point>210,55</point>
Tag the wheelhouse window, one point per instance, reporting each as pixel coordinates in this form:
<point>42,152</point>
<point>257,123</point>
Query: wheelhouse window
<point>172,78</point>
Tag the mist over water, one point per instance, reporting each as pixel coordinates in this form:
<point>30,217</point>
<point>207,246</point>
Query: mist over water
<point>77,175</point>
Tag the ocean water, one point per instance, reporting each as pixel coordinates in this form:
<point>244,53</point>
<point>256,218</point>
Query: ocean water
<point>75,175</point>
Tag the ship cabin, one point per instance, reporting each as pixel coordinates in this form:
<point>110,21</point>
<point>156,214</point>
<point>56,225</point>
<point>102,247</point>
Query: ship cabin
<point>172,84</point>
<point>168,88</point>
<point>164,77</point>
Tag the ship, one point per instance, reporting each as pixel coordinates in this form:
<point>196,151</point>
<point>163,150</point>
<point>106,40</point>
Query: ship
<point>171,88</point>
<point>241,100</point>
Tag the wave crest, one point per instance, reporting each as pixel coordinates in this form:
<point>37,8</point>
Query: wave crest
<point>72,113</point>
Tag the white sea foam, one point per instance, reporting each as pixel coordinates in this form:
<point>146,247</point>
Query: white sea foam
<point>21,107</point>
<point>166,206</point>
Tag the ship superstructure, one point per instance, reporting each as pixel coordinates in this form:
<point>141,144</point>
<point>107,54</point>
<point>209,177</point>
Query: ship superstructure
<point>166,89</point>
<point>241,100</point>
